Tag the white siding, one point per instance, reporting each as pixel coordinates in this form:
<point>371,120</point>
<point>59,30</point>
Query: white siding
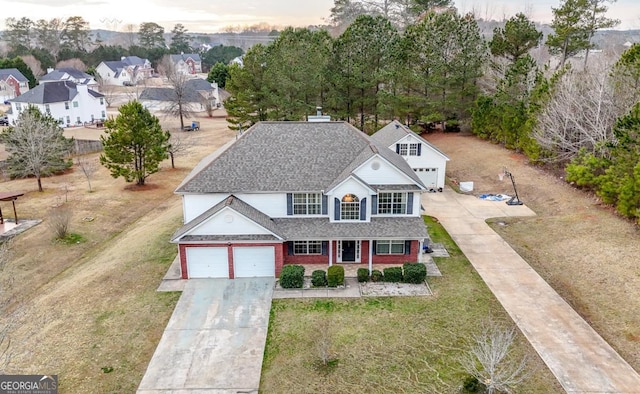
<point>350,186</point>
<point>429,158</point>
<point>194,205</point>
<point>272,205</point>
<point>377,171</point>
<point>228,222</point>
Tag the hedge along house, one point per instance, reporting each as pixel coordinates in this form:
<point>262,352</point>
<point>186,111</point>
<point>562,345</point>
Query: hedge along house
<point>427,161</point>
<point>296,192</point>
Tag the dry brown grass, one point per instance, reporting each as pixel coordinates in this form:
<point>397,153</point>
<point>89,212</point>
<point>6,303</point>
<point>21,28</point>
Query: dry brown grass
<point>87,308</point>
<point>581,248</point>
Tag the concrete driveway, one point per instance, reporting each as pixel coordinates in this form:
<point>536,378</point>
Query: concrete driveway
<point>578,357</point>
<point>215,339</point>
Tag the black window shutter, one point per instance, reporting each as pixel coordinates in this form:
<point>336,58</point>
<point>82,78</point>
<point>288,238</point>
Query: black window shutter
<point>374,204</point>
<point>325,248</point>
<point>407,247</point>
<point>325,202</point>
<point>363,209</point>
<point>336,209</point>
<point>410,203</point>
<point>375,244</point>
<point>289,203</point>
<point>419,149</point>
<point>398,148</point>
<point>290,248</point>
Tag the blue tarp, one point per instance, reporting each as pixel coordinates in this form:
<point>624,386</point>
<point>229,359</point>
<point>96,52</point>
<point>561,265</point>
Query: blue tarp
<point>494,197</point>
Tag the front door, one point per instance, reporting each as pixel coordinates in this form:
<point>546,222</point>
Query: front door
<point>348,251</point>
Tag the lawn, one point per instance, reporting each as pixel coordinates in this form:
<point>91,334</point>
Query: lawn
<point>375,345</point>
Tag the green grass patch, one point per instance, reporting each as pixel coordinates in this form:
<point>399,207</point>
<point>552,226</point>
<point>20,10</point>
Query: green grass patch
<point>390,344</point>
<point>70,239</point>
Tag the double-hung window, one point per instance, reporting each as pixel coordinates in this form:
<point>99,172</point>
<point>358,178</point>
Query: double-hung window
<point>307,203</point>
<point>408,149</point>
<point>307,247</point>
<point>350,207</point>
<point>403,149</point>
<point>389,247</point>
<point>413,149</point>
<point>392,203</point>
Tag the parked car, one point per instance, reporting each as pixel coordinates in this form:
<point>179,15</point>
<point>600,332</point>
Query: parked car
<point>4,120</point>
<point>128,83</point>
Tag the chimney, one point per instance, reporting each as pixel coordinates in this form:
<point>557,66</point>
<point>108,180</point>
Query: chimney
<point>318,111</point>
<point>122,58</point>
<point>49,69</point>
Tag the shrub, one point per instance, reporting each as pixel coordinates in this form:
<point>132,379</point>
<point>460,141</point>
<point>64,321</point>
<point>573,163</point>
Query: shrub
<point>363,275</point>
<point>292,276</point>
<point>414,272</point>
<point>393,274</point>
<point>376,276</point>
<point>335,276</point>
<point>319,278</point>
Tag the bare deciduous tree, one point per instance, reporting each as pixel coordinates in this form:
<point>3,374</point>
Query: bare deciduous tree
<point>490,359</point>
<point>88,167</point>
<point>34,64</point>
<point>179,106</point>
<point>178,145</point>
<point>72,63</point>
<point>579,114</point>
<point>59,220</point>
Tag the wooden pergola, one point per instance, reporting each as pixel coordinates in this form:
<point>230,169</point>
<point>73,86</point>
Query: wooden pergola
<point>10,196</point>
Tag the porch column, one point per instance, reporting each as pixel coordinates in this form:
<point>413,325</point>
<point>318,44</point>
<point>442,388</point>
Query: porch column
<point>330,252</point>
<point>370,257</point>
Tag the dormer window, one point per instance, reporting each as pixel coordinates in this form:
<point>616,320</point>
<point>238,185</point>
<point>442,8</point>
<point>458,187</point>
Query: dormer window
<point>408,149</point>
<point>350,207</point>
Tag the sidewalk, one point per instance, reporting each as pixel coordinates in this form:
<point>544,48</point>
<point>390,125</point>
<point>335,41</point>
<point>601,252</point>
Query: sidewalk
<point>578,357</point>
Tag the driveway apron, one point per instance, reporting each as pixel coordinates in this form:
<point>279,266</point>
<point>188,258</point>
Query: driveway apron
<point>215,339</point>
<point>579,358</point>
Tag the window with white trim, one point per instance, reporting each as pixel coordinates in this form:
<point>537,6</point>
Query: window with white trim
<point>66,105</point>
<point>75,104</point>
<point>413,149</point>
<point>389,247</point>
<point>47,109</point>
<point>408,149</point>
<point>307,203</point>
<point>392,203</point>
<point>350,207</point>
<point>402,149</point>
<point>307,247</point>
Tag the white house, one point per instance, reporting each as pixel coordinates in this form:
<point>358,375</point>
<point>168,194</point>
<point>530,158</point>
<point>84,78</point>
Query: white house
<point>127,70</point>
<point>187,63</point>
<point>12,84</point>
<point>298,193</point>
<point>70,103</point>
<point>69,74</point>
<point>428,162</point>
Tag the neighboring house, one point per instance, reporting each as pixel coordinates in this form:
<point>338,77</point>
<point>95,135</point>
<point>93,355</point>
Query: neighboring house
<point>68,102</point>
<point>198,93</point>
<point>298,193</point>
<point>237,60</point>
<point>12,84</point>
<point>69,74</point>
<point>129,70</point>
<point>428,162</point>
<point>187,63</point>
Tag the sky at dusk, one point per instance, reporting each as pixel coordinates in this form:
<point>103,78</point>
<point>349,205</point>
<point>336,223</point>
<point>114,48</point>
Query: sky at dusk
<point>209,16</point>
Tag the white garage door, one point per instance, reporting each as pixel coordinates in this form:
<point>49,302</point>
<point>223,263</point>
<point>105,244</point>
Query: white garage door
<point>428,176</point>
<point>207,262</point>
<point>254,261</point>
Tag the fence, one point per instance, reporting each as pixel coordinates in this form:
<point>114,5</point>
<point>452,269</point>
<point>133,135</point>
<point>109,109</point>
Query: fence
<point>87,146</point>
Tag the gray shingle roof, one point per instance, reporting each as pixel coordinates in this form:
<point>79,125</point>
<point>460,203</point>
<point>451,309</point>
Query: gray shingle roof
<point>58,74</point>
<point>50,92</point>
<point>394,131</point>
<point>378,228</point>
<point>6,72</point>
<point>198,84</point>
<point>237,205</point>
<point>287,157</point>
<point>169,94</point>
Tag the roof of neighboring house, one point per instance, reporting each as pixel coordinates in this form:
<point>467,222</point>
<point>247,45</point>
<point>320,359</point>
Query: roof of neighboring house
<point>169,94</point>
<point>305,228</point>
<point>60,75</point>
<point>395,131</point>
<point>185,56</point>
<point>288,157</point>
<point>118,65</point>
<point>50,92</point>
<point>133,61</point>
<point>237,205</point>
<point>14,72</point>
<point>198,84</point>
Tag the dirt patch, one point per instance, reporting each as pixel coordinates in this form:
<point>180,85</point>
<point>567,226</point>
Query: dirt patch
<point>383,289</point>
<point>580,247</point>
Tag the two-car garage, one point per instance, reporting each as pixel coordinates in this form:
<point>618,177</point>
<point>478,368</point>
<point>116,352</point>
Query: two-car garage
<point>221,261</point>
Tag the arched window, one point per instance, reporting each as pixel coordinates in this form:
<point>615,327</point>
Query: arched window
<point>350,207</point>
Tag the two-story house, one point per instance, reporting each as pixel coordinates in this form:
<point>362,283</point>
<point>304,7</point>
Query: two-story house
<point>187,63</point>
<point>69,74</point>
<point>129,70</point>
<point>68,102</point>
<point>12,84</point>
<point>428,162</point>
<point>297,192</point>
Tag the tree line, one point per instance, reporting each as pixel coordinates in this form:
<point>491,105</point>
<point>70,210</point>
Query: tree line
<point>45,43</point>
